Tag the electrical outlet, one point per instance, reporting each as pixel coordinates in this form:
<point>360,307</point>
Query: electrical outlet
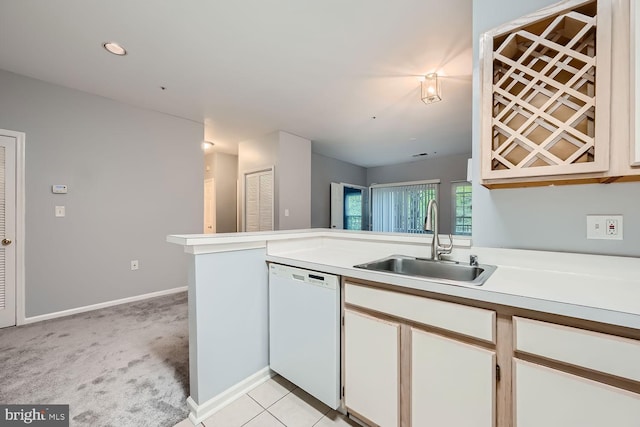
<point>134,264</point>
<point>604,227</point>
<point>611,227</point>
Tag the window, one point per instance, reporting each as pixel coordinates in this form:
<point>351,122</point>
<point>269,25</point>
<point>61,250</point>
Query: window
<point>461,207</point>
<point>401,207</point>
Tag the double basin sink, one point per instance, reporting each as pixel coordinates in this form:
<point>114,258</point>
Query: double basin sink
<point>450,272</point>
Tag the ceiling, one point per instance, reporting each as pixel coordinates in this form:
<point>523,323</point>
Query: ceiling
<point>320,69</point>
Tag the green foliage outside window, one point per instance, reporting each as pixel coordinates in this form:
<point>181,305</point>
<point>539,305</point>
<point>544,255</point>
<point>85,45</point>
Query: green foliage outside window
<point>462,194</point>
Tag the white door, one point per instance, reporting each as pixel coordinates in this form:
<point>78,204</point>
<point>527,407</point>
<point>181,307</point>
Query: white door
<point>550,398</point>
<point>258,205</point>
<point>452,383</point>
<point>209,206</point>
<point>8,143</point>
<point>371,368</point>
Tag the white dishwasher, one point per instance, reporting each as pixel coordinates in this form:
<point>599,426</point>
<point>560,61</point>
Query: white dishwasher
<point>304,330</point>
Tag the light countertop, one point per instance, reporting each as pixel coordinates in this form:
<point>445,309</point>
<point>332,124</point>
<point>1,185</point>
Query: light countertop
<point>598,288</point>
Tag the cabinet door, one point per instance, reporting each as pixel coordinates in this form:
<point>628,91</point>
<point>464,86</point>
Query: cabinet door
<point>372,368</point>
<point>452,383</point>
<point>550,398</point>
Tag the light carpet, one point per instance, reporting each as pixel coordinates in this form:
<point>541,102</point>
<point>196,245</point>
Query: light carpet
<point>120,366</point>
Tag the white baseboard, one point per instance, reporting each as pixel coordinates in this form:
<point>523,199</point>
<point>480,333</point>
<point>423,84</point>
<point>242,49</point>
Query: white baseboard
<point>203,411</point>
<point>98,306</point>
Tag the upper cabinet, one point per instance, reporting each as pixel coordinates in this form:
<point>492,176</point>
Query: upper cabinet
<point>548,93</point>
<point>635,83</point>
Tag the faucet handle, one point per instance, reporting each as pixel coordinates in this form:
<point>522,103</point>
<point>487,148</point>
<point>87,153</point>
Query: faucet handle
<point>446,249</point>
<point>473,260</point>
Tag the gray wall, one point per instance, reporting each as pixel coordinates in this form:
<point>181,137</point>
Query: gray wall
<point>324,171</point>
<point>549,218</point>
<point>223,169</point>
<point>253,155</point>
<point>228,320</point>
<point>134,176</point>
<point>294,182</point>
<point>447,169</point>
<point>291,157</point>
<point>226,178</point>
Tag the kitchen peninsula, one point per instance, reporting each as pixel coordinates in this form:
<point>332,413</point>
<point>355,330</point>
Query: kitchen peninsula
<point>592,299</point>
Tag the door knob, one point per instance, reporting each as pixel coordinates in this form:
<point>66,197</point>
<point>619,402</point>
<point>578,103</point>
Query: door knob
<point>6,242</point>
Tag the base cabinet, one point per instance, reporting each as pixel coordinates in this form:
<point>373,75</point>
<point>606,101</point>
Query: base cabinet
<point>371,364</point>
<point>411,361</point>
<point>452,383</point>
<point>550,398</point>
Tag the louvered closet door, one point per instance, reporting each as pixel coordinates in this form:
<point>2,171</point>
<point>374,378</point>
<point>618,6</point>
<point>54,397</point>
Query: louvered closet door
<point>7,230</point>
<point>259,201</point>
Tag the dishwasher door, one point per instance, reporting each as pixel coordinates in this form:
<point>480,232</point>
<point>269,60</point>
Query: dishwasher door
<point>304,330</point>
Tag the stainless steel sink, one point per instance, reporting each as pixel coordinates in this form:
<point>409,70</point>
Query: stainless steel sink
<point>439,271</point>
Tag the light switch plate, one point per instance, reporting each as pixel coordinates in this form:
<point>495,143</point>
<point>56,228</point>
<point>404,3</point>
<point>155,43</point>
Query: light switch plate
<point>60,211</point>
<point>604,227</point>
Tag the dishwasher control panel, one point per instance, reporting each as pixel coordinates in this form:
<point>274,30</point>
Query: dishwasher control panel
<point>311,277</point>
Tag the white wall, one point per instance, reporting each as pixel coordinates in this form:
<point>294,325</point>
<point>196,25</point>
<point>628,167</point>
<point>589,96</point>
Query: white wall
<point>447,169</point>
<point>134,177</point>
<point>324,171</point>
<point>551,218</point>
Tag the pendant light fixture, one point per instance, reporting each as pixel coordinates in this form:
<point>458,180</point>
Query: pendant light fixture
<point>430,86</point>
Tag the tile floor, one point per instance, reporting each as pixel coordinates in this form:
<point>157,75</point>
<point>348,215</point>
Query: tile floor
<point>275,403</point>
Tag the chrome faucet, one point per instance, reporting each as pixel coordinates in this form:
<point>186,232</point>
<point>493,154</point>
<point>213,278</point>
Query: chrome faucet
<point>431,224</point>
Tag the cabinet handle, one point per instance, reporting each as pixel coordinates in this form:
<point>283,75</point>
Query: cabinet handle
<point>497,372</point>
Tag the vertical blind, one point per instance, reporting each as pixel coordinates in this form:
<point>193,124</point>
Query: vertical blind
<point>401,208</point>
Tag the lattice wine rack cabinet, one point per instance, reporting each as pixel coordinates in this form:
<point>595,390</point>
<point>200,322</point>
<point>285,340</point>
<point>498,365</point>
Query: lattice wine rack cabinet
<point>546,92</point>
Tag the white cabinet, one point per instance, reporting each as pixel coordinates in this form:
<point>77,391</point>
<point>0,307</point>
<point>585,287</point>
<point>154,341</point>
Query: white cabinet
<point>401,373</point>
<point>541,116</point>
<point>550,398</point>
<point>415,361</point>
<point>593,351</point>
<point>371,364</point>
<point>452,383</point>
<point>635,84</point>
<point>545,396</point>
<point>555,96</point>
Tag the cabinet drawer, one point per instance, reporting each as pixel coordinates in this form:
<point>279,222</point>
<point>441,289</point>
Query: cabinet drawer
<point>470,321</point>
<point>544,397</point>
<point>592,350</point>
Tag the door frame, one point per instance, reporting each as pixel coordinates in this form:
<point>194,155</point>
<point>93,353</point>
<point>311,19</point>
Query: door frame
<point>20,223</point>
<point>337,200</point>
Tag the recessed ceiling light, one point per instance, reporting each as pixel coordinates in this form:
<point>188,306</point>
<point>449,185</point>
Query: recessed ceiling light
<point>115,48</point>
